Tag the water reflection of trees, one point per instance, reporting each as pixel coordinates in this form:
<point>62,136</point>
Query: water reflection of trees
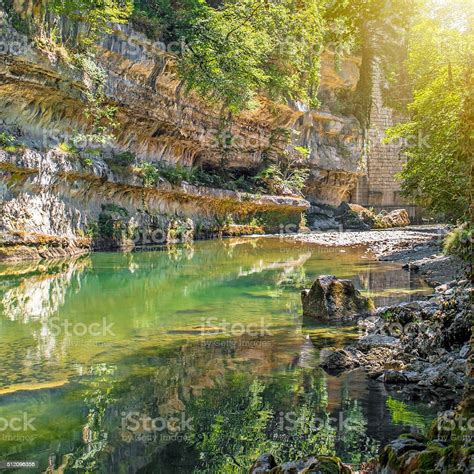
<point>152,286</point>
<point>234,419</point>
<point>238,395</point>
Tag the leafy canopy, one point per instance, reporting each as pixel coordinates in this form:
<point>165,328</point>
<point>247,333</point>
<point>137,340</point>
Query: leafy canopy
<point>98,15</point>
<point>438,135</point>
<point>241,48</point>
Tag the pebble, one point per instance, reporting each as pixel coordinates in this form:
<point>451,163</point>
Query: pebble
<point>464,351</point>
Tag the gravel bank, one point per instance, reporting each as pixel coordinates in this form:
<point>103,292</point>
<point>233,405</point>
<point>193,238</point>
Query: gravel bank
<point>380,242</point>
<point>417,247</point>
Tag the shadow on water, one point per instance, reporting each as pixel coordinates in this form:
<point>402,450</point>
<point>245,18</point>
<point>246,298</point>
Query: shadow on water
<point>201,363</point>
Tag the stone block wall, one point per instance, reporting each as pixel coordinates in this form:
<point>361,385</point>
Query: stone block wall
<point>379,186</point>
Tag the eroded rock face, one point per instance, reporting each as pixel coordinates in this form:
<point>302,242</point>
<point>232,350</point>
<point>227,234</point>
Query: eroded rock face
<point>331,299</point>
<point>53,205</point>
<point>158,121</point>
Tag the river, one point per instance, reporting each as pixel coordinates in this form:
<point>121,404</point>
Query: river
<point>188,359</point>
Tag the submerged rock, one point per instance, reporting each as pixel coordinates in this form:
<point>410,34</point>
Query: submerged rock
<point>339,360</point>
<point>331,299</point>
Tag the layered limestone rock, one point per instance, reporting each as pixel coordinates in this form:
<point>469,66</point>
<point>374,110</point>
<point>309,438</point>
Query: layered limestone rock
<point>332,134</point>
<point>57,203</point>
<point>54,204</point>
<point>45,91</point>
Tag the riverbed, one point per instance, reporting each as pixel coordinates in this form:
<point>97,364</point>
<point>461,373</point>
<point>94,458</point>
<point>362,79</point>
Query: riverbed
<point>189,359</point>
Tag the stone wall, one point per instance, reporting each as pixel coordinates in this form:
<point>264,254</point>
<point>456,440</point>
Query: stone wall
<point>378,186</point>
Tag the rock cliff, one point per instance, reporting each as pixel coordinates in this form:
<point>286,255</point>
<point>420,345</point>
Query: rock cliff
<point>59,199</point>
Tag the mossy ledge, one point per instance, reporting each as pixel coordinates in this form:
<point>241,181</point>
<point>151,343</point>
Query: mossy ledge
<point>56,205</point>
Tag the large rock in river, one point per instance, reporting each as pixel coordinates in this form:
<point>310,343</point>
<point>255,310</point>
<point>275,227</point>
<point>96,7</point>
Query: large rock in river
<point>331,299</point>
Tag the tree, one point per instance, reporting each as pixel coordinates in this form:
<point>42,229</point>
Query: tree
<point>438,134</point>
<point>372,29</point>
<point>97,15</point>
<point>240,48</point>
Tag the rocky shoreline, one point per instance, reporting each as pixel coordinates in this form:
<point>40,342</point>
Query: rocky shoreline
<point>422,349</point>
<point>418,248</point>
<point>423,344</point>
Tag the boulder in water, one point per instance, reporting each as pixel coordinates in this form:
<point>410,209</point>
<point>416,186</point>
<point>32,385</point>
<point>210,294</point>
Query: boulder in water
<point>339,360</point>
<point>331,299</point>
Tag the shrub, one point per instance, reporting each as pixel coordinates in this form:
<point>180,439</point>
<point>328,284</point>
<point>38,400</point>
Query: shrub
<point>8,142</point>
<point>459,242</point>
<point>68,148</point>
<point>287,181</point>
<point>6,139</point>
<point>175,174</point>
<point>149,173</point>
<point>125,158</point>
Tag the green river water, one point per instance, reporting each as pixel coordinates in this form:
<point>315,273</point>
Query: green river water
<point>188,360</point>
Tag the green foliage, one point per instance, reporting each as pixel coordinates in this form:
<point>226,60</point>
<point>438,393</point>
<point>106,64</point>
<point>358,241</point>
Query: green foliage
<point>115,209</point>
<point>20,24</point>
<point>166,20</point>
<point>66,147</point>
<point>125,158</point>
<point>371,28</point>
<point>438,136</point>
<point>9,142</point>
<point>86,161</point>
<point>278,182</point>
<point>241,48</point>
<point>233,432</point>
<point>84,156</point>
<point>175,174</point>
<point>224,179</point>
<point>459,242</point>
<point>149,173</point>
<point>403,416</point>
<point>285,173</point>
<point>100,114</point>
<point>88,457</point>
<point>97,15</point>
